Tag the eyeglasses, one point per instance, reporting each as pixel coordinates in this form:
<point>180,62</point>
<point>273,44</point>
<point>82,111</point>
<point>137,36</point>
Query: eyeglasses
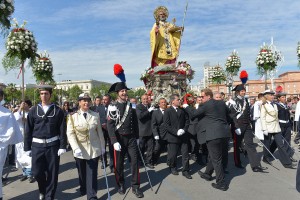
<point>201,97</point>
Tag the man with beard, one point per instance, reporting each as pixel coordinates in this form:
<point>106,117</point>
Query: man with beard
<point>164,39</point>
<point>45,139</point>
<point>122,126</point>
<point>215,120</point>
<point>240,114</point>
<point>157,129</point>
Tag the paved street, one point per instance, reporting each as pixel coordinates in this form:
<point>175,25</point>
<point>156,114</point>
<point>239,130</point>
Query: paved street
<point>244,184</point>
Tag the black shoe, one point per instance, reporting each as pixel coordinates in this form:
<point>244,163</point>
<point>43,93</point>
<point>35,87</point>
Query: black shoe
<point>220,186</point>
<point>240,166</point>
<point>267,161</point>
<point>205,176</point>
<point>293,160</point>
<point>174,171</point>
<point>259,169</point>
<point>138,193</point>
<point>111,170</point>
<point>121,190</point>
<point>23,178</point>
<point>31,179</point>
<point>193,157</point>
<point>41,196</point>
<point>291,166</point>
<point>4,179</point>
<point>187,175</point>
<point>149,166</point>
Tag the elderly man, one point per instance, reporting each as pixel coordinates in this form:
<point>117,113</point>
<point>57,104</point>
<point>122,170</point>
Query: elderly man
<point>164,39</point>
<point>45,139</point>
<point>9,134</point>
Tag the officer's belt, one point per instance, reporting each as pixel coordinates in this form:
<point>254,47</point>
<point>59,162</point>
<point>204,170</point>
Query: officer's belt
<point>44,141</point>
<point>283,121</point>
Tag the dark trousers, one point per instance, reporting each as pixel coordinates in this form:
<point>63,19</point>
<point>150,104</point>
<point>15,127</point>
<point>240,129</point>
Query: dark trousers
<point>173,149</point>
<point>45,166</point>
<point>159,146</point>
<point>110,150</point>
<point>146,145</point>
<point>249,146</point>
<point>128,145</point>
<point>283,150</point>
<point>194,145</point>
<point>215,158</point>
<point>286,130</point>
<point>87,172</point>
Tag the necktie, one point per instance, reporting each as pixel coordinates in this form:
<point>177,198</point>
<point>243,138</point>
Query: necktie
<point>84,114</point>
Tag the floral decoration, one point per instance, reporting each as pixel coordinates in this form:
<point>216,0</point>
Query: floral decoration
<point>218,76</point>
<point>233,63</point>
<point>6,10</point>
<point>20,45</point>
<point>43,68</point>
<point>265,60</point>
<point>184,68</point>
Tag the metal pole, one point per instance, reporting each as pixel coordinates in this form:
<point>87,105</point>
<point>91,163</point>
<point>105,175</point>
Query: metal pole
<point>106,180</point>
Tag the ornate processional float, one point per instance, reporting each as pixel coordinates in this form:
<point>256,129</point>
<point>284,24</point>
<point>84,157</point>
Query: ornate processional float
<point>166,76</point>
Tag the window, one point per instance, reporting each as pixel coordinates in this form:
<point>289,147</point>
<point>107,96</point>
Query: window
<point>87,87</point>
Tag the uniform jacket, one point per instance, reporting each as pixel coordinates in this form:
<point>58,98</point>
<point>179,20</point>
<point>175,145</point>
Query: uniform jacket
<point>144,120</point>
<point>284,113</point>
<point>173,121</point>
<point>215,119</point>
<point>269,118</point>
<point>129,127</point>
<point>103,114</point>
<point>86,134</point>
<point>240,112</point>
<point>44,126</point>
<point>157,124</point>
<point>256,118</point>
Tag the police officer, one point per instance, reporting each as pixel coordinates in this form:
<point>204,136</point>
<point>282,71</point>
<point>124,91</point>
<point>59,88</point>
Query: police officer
<point>45,140</point>
<point>122,126</point>
<point>240,114</point>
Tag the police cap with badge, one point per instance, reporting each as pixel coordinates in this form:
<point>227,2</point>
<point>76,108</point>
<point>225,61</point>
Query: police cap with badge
<point>84,96</point>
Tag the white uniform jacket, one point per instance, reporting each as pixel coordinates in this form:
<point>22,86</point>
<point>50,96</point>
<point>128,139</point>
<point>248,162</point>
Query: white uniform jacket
<point>256,117</point>
<point>86,134</point>
<point>269,118</point>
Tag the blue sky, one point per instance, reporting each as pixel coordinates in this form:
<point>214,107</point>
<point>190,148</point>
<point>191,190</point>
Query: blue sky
<point>85,38</point>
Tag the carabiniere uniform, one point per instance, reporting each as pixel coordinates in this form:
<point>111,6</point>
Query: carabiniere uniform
<point>44,136</point>
<point>127,135</point>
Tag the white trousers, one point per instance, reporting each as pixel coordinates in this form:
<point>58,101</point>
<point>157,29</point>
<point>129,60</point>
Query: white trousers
<point>3,154</point>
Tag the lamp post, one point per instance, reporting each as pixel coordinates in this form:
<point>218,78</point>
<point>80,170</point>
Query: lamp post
<point>60,91</point>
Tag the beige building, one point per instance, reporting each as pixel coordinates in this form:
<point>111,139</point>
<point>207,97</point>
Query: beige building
<point>289,81</point>
<point>84,85</point>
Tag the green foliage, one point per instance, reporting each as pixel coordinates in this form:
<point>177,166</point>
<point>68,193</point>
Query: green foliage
<point>12,94</point>
<point>74,92</point>
<point>139,93</point>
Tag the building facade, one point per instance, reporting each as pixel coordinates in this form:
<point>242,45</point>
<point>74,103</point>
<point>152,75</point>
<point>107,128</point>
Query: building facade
<point>289,81</point>
<point>84,85</point>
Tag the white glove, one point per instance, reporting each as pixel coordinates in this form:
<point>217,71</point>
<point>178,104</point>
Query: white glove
<point>138,141</point>
<point>117,146</point>
<point>77,153</point>
<point>151,109</point>
<point>156,137</point>
<point>28,153</point>
<point>180,132</point>
<point>265,133</point>
<point>238,131</point>
<point>61,151</point>
<point>185,105</point>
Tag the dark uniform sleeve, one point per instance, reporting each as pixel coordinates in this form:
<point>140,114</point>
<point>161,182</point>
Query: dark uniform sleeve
<point>233,113</point>
<point>187,121</point>
<point>28,130</point>
<point>194,113</point>
<point>62,127</point>
<point>167,124</point>
<point>141,114</point>
<point>111,128</point>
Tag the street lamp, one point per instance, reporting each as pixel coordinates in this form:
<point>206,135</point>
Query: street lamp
<point>60,91</point>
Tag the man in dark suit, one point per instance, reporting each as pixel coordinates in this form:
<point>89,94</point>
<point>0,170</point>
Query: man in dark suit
<point>215,127</point>
<point>176,123</point>
<point>157,129</point>
<point>97,104</point>
<point>103,120</point>
<point>144,112</point>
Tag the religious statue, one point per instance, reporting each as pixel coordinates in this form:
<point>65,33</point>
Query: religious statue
<point>164,39</point>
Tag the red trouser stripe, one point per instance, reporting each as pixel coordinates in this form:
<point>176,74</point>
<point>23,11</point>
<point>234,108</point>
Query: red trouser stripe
<point>115,166</point>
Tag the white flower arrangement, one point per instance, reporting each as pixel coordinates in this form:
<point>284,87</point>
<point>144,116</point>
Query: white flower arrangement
<point>265,60</point>
<point>43,68</point>
<point>218,76</point>
<point>6,10</point>
<point>233,63</point>
<point>20,45</point>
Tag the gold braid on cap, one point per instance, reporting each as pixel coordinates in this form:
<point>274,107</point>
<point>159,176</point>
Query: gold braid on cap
<point>158,9</point>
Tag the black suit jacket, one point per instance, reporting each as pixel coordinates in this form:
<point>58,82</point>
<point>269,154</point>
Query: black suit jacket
<point>144,120</point>
<point>157,124</point>
<point>173,121</point>
<point>215,119</point>
<point>199,126</point>
<point>103,114</point>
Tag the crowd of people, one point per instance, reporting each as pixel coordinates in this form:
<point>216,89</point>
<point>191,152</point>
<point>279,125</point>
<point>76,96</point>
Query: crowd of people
<point>108,131</point>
